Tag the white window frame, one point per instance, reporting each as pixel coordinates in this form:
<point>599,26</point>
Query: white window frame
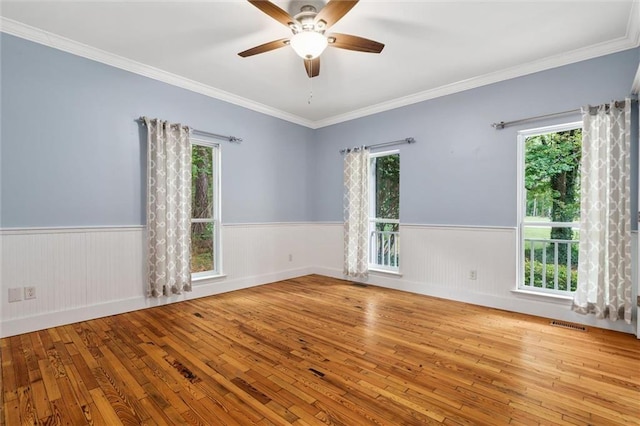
<point>217,210</point>
<point>522,200</point>
<point>372,212</point>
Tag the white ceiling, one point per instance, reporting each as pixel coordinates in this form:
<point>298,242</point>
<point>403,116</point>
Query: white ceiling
<point>432,47</point>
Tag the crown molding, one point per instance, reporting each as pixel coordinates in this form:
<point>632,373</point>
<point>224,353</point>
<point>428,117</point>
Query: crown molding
<point>633,25</point>
<point>629,41</point>
<point>55,41</point>
<point>633,33</point>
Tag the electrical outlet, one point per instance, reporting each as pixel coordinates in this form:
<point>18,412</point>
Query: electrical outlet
<point>29,293</point>
<point>290,258</point>
<point>15,294</point>
<point>473,274</point>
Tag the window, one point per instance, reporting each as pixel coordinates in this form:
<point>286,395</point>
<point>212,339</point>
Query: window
<point>205,205</point>
<point>384,204</point>
<point>549,208</point>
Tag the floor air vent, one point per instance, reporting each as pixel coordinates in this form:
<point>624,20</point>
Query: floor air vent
<point>568,325</point>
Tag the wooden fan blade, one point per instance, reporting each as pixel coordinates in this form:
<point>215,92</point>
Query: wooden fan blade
<point>274,11</point>
<point>312,66</point>
<point>334,11</point>
<point>351,42</point>
<point>272,45</point>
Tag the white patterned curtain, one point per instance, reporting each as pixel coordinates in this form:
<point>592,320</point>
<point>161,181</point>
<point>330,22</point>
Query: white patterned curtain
<point>356,213</point>
<point>604,262</point>
<point>168,208</point>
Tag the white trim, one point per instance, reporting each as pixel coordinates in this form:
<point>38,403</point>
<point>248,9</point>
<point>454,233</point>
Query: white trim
<point>383,220</point>
<point>255,224</point>
<point>467,227</point>
<point>633,25</point>
<point>633,33</point>
<point>219,240</point>
<point>543,295</point>
<point>375,271</point>
<point>69,229</point>
<point>17,326</point>
<point>521,206</point>
<point>384,153</point>
<point>551,224</point>
<point>203,277</point>
<point>538,306</point>
<point>46,38</point>
<point>635,87</point>
<point>630,40</point>
<point>583,54</point>
<point>203,141</point>
<point>522,136</point>
<point>373,220</point>
<point>216,188</point>
<point>549,129</point>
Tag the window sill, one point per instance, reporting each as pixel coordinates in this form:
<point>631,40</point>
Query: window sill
<point>550,296</point>
<point>202,278</point>
<point>385,272</point>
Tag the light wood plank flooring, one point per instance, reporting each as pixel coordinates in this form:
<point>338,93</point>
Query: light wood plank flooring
<point>316,350</point>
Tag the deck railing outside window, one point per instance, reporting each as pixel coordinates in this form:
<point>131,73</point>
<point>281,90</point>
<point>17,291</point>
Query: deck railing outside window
<point>384,244</point>
<point>550,265</point>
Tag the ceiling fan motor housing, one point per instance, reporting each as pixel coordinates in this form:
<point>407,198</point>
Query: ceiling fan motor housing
<point>305,20</point>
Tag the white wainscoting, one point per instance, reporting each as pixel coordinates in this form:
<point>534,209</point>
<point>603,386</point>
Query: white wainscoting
<point>87,273</point>
<point>72,270</point>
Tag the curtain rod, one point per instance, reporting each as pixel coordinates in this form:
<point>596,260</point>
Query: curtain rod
<point>203,133</point>
<point>398,142</point>
<point>501,125</point>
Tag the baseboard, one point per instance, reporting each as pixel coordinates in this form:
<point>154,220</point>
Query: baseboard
<point>552,309</point>
<point>529,305</point>
<point>53,319</point>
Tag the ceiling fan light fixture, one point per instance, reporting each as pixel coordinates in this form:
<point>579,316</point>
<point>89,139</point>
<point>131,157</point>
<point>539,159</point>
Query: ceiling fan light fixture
<point>309,44</point>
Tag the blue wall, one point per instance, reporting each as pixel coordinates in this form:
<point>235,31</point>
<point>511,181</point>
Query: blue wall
<point>461,171</point>
<point>72,154</point>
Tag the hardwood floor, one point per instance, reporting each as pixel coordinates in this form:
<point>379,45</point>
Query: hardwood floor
<point>317,350</point>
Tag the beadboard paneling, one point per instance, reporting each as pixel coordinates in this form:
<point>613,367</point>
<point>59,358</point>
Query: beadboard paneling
<point>83,273</point>
<point>444,256</point>
<point>91,272</point>
<point>71,268</point>
<point>258,249</point>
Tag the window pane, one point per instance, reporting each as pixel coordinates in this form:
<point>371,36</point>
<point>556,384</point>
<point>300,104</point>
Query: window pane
<point>384,245</point>
<point>202,182</point>
<point>202,247</point>
<point>552,194</point>
<point>387,175</point>
<point>552,177</point>
<point>384,236</point>
<point>551,257</point>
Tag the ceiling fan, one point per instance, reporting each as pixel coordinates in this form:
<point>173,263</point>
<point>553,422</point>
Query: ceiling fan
<point>308,27</point>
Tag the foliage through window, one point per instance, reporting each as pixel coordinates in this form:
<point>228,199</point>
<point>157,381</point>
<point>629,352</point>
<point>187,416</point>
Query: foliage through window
<point>384,223</point>
<point>205,224</point>
<point>550,208</point>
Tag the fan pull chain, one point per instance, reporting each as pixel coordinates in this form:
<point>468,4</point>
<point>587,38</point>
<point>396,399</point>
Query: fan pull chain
<point>310,91</point>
